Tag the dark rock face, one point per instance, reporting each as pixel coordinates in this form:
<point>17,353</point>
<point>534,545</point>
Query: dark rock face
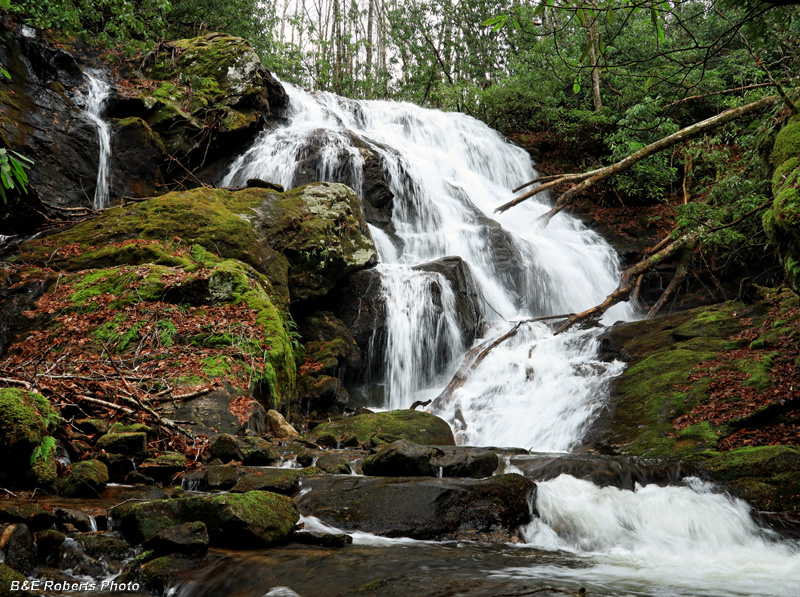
<point>406,459</point>
<point>422,508</point>
<point>16,546</point>
<point>44,122</point>
<point>189,538</point>
<point>468,297</point>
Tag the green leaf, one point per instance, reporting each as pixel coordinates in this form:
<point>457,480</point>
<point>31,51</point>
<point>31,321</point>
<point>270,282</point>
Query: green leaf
<point>576,87</point>
<point>492,21</point>
<point>648,83</point>
<point>539,9</point>
<point>581,16</point>
<point>610,16</point>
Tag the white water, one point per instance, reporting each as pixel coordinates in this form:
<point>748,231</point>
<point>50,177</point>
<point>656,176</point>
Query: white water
<point>96,98</point>
<point>448,172</point>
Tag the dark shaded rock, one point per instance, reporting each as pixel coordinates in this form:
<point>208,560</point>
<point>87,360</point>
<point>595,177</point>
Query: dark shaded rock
<point>327,440</point>
<point>358,302</point>
<point>16,545</point>
<point>414,426</point>
<point>257,183</point>
<point>225,447</point>
<point>468,307</point>
<point>253,519</point>
<point>336,464</point>
<point>189,538</point>
<point>334,540</point>
<point>401,459</point>
<point>86,479</point>
<point>48,543</point>
<point>158,573</point>
<point>119,465</point>
<point>36,517</point>
<point>77,519</point>
<point>476,463</point>
<point>7,576</point>
<point>222,476</point>
<point>138,159</point>
<point>130,444</point>
<point>422,508</point>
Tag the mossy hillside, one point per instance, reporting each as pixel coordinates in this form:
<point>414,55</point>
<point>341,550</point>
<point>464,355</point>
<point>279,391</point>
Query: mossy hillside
<point>321,230</point>
<point>782,221</point>
<point>414,426</point>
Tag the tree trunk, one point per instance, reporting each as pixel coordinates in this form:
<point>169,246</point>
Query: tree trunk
<point>592,178</point>
<point>593,35</point>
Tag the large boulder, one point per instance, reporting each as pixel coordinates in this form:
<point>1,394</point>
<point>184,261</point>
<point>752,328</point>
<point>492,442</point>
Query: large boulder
<point>422,508</point>
<point>411,425</point>
<point>252,519</point>
<point>320,228</point>
<point>406,459</point>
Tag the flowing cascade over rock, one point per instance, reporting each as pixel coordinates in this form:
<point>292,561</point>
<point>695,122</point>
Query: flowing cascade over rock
<point>98,92</point>
<point>444,174</point>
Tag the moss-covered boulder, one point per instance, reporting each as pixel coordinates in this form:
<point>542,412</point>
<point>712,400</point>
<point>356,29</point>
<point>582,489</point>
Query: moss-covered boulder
<point>321,230</point>
<point>86,479</point>
<point>130,443</point>
<point>43,467</point>
<point>711,386</point>
<point>411,425</point>
<point>252,519</point>
<point>189,538</point>
<point>215,80</point>
<point>25,420</point>
<point>7,576</point>
<point>782,221</point>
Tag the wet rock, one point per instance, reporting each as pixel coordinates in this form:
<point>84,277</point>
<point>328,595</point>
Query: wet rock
<point>468,305</point>
<point>157,573</point>
<point>48,544</point>
<point>77,519</point>
<point>422,508</point>
<point>335,464</point>
<point>17,547</point>
<point>335,540</point>
<point>119,465</point>
<point>414,426</point>
<point>326,440</point>
<point>86,479</point>
<point>253,519</point>
<point>278,427</point>
<point>358,302</point>
<point>189,538</point>
<point>36,517</point>
<point>322,393</point>
<point>130,444</point>
<point>401,459</point>
<point>283,481</point>
<point>476,463</point>
<point>138,159</point>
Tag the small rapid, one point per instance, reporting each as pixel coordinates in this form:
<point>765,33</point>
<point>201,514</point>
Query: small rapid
<point>447,173</point>
<point>98,93</point>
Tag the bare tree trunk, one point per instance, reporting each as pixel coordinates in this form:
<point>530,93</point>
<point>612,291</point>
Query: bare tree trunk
<point>591,178</point>
<point>593,35</point>
<point>370,17</point>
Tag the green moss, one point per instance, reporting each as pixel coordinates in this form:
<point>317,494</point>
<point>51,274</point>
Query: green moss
<point>787,143</point>
<point>103,545</point>
<point>25,418</point>
<point>418,427</point>
<point>86,479</point>
<point>758,371</point>
<point>129,428</point>
<point>216,366</point>
<point>43,463</point>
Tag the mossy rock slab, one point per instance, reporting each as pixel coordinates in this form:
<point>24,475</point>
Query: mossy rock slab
<point>276,480</point>
<point>252,519</point>
<point>129,443</point>
<point>411,425</point>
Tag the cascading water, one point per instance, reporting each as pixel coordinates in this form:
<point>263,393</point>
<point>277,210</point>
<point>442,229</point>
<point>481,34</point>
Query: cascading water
<point>447,173</point>
<point>96,98</point>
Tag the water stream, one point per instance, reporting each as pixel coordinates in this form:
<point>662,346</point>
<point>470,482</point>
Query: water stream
<point>538,391</point>
<point>98,92</point>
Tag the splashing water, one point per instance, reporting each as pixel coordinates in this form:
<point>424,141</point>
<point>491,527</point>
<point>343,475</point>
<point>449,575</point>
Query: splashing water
<point>447,173</point>
<point>96,99</point>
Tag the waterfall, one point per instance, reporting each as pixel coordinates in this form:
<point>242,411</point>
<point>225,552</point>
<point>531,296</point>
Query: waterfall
<point>97,96</point>
<point>448,172</point>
